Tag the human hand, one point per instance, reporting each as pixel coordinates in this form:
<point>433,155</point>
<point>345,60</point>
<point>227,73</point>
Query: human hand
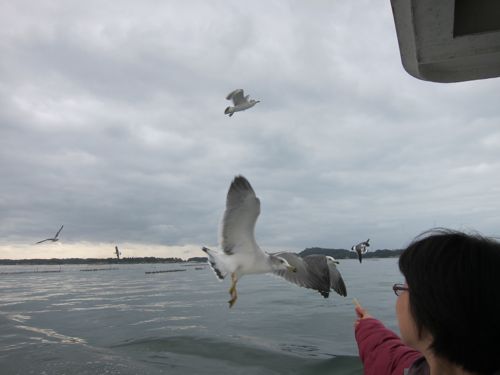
<point>361,313</point>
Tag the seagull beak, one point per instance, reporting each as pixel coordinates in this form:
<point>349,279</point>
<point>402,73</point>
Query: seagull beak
<point>336,262</point>
<point>292,269</point>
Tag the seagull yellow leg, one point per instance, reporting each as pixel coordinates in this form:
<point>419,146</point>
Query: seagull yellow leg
<point>232,290</point>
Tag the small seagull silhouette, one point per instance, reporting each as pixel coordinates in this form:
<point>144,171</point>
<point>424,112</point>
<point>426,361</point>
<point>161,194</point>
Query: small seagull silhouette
<point>240,101</point>
<point>55,237</point>
<point>361,249</point>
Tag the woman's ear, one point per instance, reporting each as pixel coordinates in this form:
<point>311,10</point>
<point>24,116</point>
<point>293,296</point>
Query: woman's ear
<point>426,339</point>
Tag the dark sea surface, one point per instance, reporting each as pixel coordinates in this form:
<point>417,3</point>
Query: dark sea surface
<point>124,321</point>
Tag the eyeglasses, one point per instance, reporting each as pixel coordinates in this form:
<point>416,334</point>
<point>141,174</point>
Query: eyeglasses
<point>399,289</point>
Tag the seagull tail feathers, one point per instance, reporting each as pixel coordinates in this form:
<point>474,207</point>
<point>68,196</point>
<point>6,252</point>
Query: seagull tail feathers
<point>227,111</point>
<point>216,263</point>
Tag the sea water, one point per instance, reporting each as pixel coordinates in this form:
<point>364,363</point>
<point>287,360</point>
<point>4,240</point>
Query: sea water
<point>122,320</point>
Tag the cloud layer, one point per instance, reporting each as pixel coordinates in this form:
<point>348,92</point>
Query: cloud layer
<point>112,124</point>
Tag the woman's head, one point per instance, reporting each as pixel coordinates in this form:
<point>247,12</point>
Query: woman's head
<point>453,296</point>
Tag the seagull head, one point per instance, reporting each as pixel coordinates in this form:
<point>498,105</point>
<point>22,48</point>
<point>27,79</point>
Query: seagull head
<point>330,259</point>
<point>278,263</point>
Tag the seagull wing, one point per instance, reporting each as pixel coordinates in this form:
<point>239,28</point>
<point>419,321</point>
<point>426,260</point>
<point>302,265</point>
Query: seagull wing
<point>237,96</point>
<point>238,224</point>
<point>48,239</point>
<point>311,272</point>
<point>230,95</point>
<point>59,231</point>
<point>318,267</point>
<point>300,277</point>
<point>336,280</point>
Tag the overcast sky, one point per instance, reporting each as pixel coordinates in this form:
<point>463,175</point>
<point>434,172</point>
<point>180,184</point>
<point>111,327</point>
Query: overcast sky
<point>112,123</point>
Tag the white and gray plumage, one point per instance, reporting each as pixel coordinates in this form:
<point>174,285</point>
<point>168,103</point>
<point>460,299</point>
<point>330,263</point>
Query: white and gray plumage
<point>240,101</point>
<point>240,253</point>
<point>55,238</point>
<point>318,272</point>
<point>361,248</point>
<point>242,256</point>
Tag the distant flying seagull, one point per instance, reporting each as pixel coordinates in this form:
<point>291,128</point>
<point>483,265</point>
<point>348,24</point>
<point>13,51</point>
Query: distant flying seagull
<point>317,272</point>
<point>240,101</point>
<point>361,248</point>
<point>55,237</point>
<point>240,253</point>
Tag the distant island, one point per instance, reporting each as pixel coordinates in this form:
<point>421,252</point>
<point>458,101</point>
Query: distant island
<point>346,254</point>
<point>336,253</point>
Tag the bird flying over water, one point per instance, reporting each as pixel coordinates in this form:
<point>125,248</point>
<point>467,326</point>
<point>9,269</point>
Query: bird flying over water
<point>54,239</point>
<point>318,272</point>
<point>240,101</point>
<point>117,252</point>
<point>241,255</point>
<point>361,248</point>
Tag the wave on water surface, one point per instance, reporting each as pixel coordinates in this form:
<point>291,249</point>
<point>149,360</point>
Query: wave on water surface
<point>288,359</point>
<point>127,323</point>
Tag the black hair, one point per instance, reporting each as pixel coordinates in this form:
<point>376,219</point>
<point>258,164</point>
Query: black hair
<point>454,294</point>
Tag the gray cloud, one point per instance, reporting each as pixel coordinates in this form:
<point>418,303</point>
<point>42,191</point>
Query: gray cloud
<point>112,124</point>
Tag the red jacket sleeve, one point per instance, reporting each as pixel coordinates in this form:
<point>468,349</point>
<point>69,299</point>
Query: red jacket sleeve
<point>381,350</point>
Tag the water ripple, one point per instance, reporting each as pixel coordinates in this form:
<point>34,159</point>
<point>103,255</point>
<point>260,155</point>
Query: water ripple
<point>53,334</point>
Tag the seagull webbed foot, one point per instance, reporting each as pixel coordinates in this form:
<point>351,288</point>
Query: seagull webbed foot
<point>232,301</point>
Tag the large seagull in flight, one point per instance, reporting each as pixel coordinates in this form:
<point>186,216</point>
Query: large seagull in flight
<point>242,256</point>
